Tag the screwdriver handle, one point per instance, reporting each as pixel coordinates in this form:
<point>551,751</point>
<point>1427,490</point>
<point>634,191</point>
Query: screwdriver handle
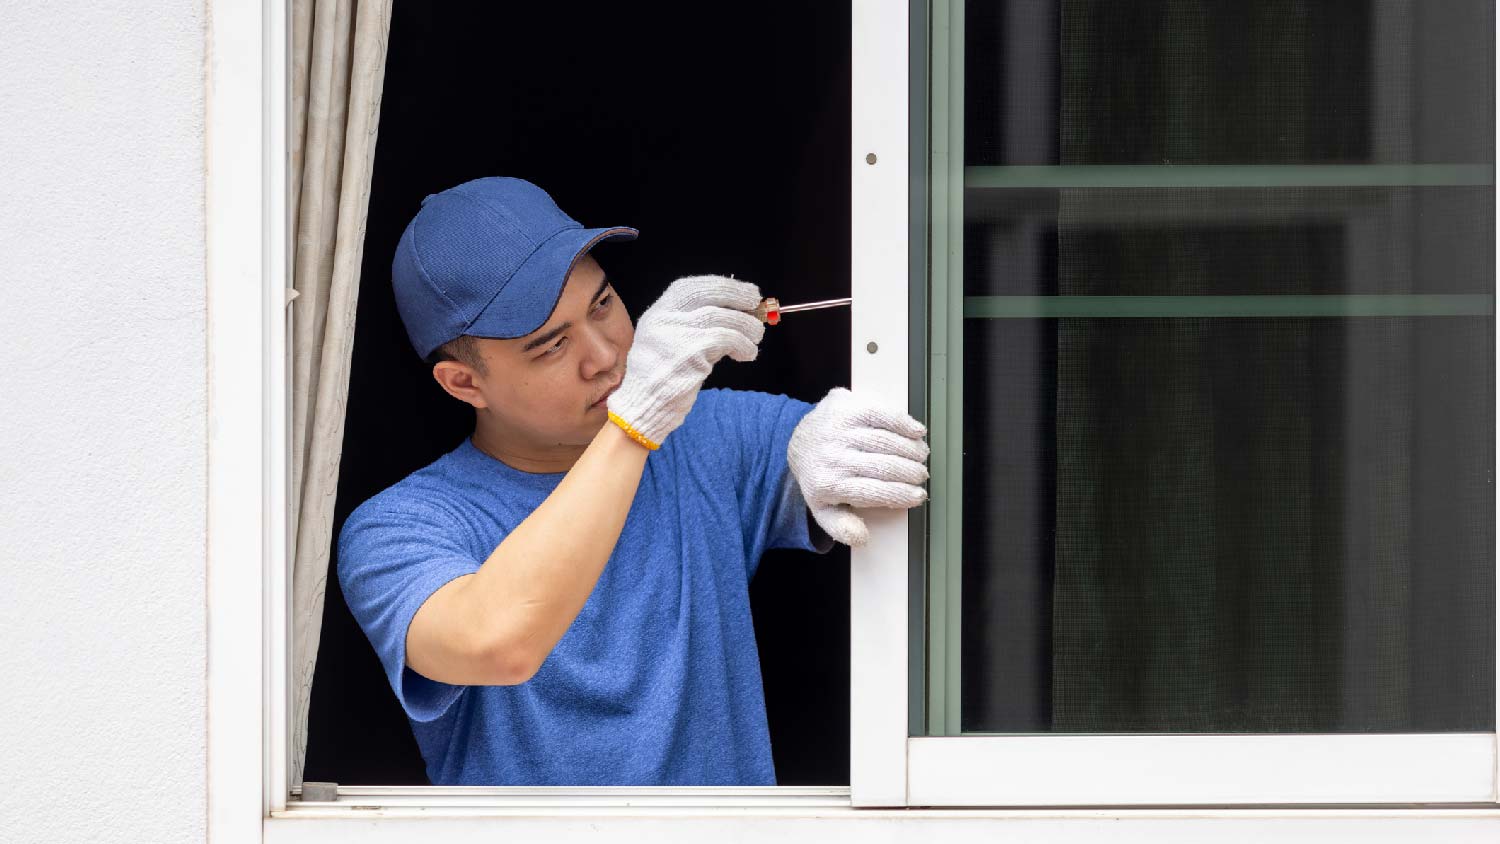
<point>768,311</point>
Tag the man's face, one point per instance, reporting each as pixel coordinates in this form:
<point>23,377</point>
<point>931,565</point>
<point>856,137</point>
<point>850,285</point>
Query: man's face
<point>547,389</point>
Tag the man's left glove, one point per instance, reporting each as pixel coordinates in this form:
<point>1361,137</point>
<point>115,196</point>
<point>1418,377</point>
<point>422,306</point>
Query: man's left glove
<point>849,452</point>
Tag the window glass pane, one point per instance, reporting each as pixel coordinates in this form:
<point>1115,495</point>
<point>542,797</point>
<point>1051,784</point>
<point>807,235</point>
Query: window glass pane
<point>1213,445</point>
<point>1228,82</point>
<point>1218,241</point>
<point>1228,525</point>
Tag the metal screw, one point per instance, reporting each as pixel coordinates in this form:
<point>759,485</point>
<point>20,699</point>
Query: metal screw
<point>871,347</point>
<point>870,159</point>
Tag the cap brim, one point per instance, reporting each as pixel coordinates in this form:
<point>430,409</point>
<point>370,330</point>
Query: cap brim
<point>527,301</point>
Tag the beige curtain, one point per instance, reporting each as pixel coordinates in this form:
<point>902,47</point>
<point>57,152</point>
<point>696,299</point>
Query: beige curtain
<point>338,67</point>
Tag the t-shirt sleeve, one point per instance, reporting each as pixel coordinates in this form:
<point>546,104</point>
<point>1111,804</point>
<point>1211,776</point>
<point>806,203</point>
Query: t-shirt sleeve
<point>772,511</point>
<point>391,557</point>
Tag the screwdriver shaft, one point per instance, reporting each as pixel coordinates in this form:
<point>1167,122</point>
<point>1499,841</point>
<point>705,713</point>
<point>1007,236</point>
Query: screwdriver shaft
<point>814,306</point>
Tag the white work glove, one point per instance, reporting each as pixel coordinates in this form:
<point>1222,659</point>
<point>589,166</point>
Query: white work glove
<point>695,323</point>
<point>849,452</point>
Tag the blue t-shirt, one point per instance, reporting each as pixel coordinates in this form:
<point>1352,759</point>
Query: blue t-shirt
<point>657,681</point>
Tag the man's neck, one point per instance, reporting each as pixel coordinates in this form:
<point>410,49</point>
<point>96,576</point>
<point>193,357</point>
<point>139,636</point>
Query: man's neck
<point>518,454</point>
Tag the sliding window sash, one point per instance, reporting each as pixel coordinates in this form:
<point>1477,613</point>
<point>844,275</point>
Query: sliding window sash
<point>907,257</point>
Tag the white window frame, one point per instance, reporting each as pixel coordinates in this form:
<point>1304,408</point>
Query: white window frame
<point>247,559</point>
<point>891,768</point>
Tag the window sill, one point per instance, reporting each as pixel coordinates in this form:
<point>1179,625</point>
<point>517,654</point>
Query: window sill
<point>427,800</point>
<point>697,815</point>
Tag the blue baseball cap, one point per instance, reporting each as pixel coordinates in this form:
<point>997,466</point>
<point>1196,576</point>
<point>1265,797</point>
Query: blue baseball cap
<point>488,258</point>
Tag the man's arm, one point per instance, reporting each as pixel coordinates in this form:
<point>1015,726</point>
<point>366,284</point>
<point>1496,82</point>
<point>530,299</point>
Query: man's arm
<point>497,626</point>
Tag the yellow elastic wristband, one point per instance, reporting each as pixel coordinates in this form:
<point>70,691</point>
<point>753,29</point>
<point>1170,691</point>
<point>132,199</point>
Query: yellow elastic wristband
<point>632,432</point>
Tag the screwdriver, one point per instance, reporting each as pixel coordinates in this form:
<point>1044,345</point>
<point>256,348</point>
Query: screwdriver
<point>769,310</point>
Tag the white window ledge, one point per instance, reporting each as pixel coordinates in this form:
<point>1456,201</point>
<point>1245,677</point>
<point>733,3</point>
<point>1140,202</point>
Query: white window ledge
<point>818,818</point>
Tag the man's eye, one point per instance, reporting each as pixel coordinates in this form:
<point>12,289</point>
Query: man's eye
<point>557,347</point>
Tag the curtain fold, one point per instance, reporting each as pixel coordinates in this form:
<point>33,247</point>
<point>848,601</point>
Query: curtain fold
<point>338,69</point>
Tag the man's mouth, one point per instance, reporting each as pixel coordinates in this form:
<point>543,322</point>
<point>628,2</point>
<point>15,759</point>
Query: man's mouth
<point>607,394</point>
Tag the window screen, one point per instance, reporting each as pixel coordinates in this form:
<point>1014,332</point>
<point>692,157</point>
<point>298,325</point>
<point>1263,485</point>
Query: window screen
<point>1225,425</point>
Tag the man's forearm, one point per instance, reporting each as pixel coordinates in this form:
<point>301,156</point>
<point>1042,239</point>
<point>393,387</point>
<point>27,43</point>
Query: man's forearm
<point>497,625</point>
<point>538,578</point>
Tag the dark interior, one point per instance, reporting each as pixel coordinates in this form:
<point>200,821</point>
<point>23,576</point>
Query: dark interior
<point>722,133</point>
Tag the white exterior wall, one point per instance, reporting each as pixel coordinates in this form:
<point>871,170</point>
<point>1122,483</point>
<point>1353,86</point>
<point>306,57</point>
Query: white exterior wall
<point>102,431</point>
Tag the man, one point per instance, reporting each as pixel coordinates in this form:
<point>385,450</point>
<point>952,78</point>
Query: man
<point>563,599</point>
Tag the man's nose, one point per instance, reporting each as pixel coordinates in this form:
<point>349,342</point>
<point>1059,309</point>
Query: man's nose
<point>603,355</point>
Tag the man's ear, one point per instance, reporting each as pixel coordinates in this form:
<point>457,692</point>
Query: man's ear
<point>459,380</point>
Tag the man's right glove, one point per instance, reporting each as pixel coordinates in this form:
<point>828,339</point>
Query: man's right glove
<point>850,452</point>
<point>695,323</point>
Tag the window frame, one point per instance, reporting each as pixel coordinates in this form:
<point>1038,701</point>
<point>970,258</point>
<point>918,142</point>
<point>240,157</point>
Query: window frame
<point>248,231</point>
<point>1034,769</point>
<point>247,553</point>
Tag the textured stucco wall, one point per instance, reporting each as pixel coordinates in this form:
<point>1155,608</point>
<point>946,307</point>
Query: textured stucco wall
<point>102,438</point>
